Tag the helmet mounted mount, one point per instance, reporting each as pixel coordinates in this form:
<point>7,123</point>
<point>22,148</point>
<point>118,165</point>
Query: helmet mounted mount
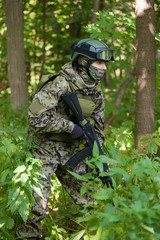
<point>93,49</point>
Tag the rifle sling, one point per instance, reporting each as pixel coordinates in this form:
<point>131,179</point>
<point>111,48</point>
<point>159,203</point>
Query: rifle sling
<point>78,157</point>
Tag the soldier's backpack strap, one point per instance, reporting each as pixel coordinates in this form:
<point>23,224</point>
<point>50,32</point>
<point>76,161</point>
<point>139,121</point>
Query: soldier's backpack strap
<point>43,81</point>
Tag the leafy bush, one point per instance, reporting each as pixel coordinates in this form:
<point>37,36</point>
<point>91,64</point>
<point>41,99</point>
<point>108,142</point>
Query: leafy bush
<point>132,209</point>
<point>18,178</point>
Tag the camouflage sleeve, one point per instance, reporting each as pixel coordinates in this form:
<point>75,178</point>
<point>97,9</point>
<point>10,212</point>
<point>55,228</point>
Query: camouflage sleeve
<point>42,111</point>
<point>98,116</point>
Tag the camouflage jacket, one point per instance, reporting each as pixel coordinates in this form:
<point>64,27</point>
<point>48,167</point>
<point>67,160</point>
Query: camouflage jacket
<point>50,120</point>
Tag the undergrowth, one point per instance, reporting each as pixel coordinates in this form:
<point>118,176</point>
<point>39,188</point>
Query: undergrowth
<point>129,211</point>
<point>19,171</point>
<point>132,209</point>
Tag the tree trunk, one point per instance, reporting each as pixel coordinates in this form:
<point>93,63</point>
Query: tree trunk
<point>106,79</point>
<point>146,70</point>
<point>16,53</point>
<point>95,9</point>
<point>103,2</point>
<point>44,39</point>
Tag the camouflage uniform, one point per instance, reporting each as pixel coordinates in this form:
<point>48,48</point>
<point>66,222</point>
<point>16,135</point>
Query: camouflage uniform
<point>50,125</point>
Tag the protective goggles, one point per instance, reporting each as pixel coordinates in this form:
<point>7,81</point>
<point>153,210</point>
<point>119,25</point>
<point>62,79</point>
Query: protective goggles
<point>102,54</point>
<point>105,55</point>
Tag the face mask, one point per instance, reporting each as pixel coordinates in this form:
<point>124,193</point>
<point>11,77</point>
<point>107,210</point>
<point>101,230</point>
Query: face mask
<point>96,73</point>
<point>83,61</point>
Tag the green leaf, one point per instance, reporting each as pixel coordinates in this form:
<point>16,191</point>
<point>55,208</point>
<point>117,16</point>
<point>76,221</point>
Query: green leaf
<point>136,192</point>
<point>24,212</point>
<point>85,177</point>
<point>10,223</point>
<point>99,233</point>
<point>103,194</point>
<point>95,151</point>
<point>4,174</point>
<point>24,178</point>
<point>20,169</point>
<point>137,206</point>
<point>14,192</point>
<point>2,207</point>
<point>15,204</point>
<point>37,190</point>
<point>3,221</point>
<point>6,142</point>
<point>106,159</point>
<point>99,165</point>
<point>77,236</point>
<point>39,173</point>
<point>149,229</point>
<point>84,189</point>
<point>118,170</point>
<point>16,178</point>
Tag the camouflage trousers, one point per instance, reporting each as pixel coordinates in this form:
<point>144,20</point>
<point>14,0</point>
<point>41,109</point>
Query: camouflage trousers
<point>51,165</point>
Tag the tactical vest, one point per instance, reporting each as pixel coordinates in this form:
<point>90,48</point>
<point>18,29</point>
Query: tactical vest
<point>86,102</point>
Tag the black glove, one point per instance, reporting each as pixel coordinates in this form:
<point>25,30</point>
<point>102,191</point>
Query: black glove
<point>77,132</point>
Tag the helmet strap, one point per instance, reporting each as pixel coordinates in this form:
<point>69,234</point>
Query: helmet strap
<point>77,66</point>
<point>87,68</point>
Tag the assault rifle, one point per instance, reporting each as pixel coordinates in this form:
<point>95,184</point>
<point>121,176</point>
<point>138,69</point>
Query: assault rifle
<point>71,100</point>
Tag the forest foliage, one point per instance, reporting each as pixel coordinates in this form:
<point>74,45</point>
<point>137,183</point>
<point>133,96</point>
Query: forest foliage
<point>132,209</point>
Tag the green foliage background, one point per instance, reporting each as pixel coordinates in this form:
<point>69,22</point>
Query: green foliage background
<point>131,210</point>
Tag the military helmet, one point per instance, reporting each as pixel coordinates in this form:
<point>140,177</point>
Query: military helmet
<point>92,49</point>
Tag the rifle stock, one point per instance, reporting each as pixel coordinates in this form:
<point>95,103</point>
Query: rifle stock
<point>72,101</point>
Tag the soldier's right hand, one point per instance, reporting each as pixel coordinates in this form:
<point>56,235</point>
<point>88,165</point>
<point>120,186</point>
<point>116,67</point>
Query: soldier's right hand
<point>77,132</point>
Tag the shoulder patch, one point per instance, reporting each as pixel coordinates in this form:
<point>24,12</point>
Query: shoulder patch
<point>36,108</point>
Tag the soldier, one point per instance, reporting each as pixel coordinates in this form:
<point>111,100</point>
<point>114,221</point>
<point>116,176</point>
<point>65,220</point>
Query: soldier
<point>53,128</point>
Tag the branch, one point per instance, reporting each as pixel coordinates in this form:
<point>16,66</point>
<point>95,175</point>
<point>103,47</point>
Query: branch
<point>119,98</point>
<point>3,85</point>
